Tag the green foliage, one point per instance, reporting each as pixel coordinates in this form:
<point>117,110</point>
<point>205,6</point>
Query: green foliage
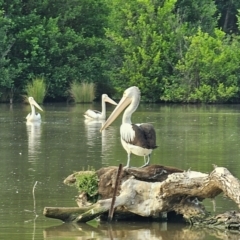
<point>208,94</point>
<point>7,71</point>
<point>208,72</point>
<point>148,41</point>
<point>173,92</point>
<point>87,182</point>
<point>81,43</point>
<point>82,92</point>
<point>169,49</point>
<point>36,89</point>
<point>198,13</point>
<point>227,11</point>
<point>59,41</point>
<point>142,35</point>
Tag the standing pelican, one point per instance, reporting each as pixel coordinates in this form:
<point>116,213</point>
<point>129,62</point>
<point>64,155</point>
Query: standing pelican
<point>33,116</point>
<point>94,114</point>
<point>139,139</point>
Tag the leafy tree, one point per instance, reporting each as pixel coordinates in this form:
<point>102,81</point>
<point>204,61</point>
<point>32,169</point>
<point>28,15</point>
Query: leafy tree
<point>149,38</point>
<point>227,9</point>
<point>210,68</point>
<point>58,40</point>
<point>169,48</point>
<point>81,43</point>
<point>7,72</point>
<point>145,33</point>
<point>198,13</point>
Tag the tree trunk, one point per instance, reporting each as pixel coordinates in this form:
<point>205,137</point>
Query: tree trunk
<point>155,191</point>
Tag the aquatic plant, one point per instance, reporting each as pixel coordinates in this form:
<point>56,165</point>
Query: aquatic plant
<point>87,182</point>
<point>36,89</point>
<point>82,92</point>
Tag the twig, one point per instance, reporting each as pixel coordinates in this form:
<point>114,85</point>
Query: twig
<point>111,210</point>
<point>34,199</point>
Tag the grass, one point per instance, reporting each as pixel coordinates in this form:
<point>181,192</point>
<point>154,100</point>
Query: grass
<point>36,89</point>
<point>82,92</point>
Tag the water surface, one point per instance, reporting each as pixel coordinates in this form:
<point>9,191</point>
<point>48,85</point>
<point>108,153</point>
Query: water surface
<point>43,155</point>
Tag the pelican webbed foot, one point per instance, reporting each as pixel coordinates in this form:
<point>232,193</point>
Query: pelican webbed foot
<point>146,164</point>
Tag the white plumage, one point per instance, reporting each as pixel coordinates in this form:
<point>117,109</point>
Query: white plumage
<point>139,139</point>
<point>33,116</point>
<point>97,115</point>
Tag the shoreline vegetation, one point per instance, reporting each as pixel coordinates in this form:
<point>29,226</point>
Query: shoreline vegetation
<point>36,89</point>
<point>173,51</point>
<point>82,92</point>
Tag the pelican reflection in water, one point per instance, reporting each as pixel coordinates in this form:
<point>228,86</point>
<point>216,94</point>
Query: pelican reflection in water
<point>139,139</point>
<point>33,116</point>
<point>34,139</point>
<point>100,142</point>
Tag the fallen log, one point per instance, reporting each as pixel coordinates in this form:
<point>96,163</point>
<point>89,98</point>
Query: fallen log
<point>155,191</point>
<point>227,220</point>
<point>66,214</point>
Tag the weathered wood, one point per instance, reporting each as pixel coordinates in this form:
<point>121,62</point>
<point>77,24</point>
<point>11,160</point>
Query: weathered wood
<point>66,214</point>
<point>154,190</point>
<point>227,220</point>
<point>70,214</point>
<point>225,181</point>
<point>107,176</point>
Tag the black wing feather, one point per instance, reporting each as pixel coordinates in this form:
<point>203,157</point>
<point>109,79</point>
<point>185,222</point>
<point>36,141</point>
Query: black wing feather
<point>96,111</point>
<point>145,136</point>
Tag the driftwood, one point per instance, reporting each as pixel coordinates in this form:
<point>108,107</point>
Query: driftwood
<point>155,191</point>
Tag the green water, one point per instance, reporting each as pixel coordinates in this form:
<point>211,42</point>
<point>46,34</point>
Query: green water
<point>189,137</point>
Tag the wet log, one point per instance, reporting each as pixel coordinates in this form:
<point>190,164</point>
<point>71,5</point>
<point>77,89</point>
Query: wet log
<point>157,190</point>
<point>66,214</point>
<point>229,220</point>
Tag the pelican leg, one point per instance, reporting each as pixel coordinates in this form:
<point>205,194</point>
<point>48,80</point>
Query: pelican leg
<point>146,163</point>
<point>144,159</point>
<point>148,159</point>
<point>128,161</point>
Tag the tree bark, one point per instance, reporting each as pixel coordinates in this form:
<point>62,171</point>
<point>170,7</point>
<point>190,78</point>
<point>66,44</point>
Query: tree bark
<point>155,191</point>
<point>66,214</point>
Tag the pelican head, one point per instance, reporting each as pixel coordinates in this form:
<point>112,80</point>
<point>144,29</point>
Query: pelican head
<point>131,96</point>
<point>33,102</point>
<point>33,116</point>
<point>97,115</point>
<point>106,98</point>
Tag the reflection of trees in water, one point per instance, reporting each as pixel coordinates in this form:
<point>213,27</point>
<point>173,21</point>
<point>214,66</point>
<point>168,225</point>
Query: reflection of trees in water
<point>34,140</point>
<point>136,231</point>
<point>100,140</point>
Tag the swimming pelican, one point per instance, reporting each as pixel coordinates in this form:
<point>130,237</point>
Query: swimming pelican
<point>139,139</point>
<point>94,114</point>
<point>33,116</point>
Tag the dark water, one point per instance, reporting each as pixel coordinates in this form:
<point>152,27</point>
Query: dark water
<point>35,159</point>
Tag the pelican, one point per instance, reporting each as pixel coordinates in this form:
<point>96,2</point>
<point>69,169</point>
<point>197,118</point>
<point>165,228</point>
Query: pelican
<point>33,116</point>
<point>139,139</point>
<point>94,114</point>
